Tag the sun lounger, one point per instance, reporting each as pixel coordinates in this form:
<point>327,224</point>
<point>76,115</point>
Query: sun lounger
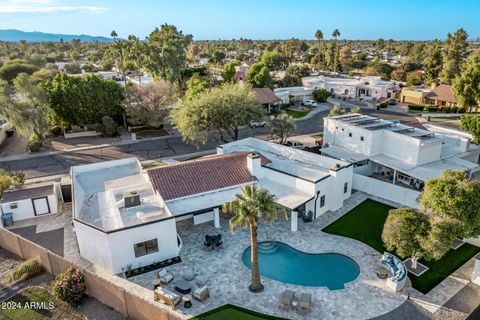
<point>201,293</point>
<point>167,297</point>
<point>164,276</point>
<point>304,303</point>
<point>286,300</point>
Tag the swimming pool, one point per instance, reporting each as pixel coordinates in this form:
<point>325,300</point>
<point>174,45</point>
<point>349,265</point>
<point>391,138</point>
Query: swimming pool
<point>279,261</point>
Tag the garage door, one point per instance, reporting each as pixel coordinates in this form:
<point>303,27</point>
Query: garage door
<point>407,99</point>
<point>41,206</point>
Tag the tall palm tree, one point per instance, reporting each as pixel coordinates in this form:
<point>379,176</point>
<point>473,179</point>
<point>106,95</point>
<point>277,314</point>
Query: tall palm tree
<point>336,34</point>
<point>319,37</point>
<point>114,35</point>
<point>248,207</point>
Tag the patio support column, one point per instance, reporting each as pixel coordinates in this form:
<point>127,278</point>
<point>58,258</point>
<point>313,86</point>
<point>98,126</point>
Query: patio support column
<point>216,217</point>
<point>394,176</point>
<point>294,220</point>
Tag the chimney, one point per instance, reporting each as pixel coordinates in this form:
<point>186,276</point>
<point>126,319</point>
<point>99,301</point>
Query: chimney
<point>254,163</point>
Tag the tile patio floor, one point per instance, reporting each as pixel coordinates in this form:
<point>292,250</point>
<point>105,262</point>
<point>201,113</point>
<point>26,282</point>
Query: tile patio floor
<point>228,278</point>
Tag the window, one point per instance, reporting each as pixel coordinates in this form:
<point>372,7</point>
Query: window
<point>345,187</point>
<point>322,201</point>
<point>350,134</point>
<point>13,205</point>
<point>343,129</point>
<point>361,139</point>
<point>144,248</point>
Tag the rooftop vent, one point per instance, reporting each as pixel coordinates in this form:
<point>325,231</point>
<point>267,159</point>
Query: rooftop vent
<point>132,199</point>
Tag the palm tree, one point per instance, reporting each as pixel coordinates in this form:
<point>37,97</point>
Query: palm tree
<point>336,34</point>
<point>319,37</point>
<point>114,35</point>
<point>248,207</point>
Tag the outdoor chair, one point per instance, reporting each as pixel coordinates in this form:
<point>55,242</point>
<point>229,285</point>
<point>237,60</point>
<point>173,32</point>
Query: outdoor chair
<point>286,300</point>
<point>304,303</point>
<point>166,297</point>
<point>201,293</point>
<point>308,217</point>
<point>164,276</point>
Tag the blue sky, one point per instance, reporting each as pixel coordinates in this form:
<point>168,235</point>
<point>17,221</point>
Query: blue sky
<point>256,19</point>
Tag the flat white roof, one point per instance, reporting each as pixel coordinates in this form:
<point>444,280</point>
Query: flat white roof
<point>98,195</point>
<point>299,163</point>
<point>344,154</point>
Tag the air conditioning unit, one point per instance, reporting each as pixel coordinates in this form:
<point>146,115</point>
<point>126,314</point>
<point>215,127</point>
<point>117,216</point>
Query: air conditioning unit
<point>131,199</point>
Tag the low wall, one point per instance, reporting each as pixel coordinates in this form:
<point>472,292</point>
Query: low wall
<point>442,115</point>
<point>102,289</point>
<point>385,190</point>
<point>81,134</point>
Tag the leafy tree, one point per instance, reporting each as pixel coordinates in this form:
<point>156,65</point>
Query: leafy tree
<point>282,127</point>
<point>73,68</point>
<point>399,75</point>
<point>258,76</point>
<point>321,95</point>
<point>466,85</point>
<point>197,84</point>
<point>294,75</point>
<point>84,100</point>
<point>166,52</point>
<point>217,57</point>
<point>455,51</point>
<point>377,68</point>
<point>150,103</point>
<point>433,62</point>
<point>471,123</point>
<point>405,232</point>
<point>24,104</point>
<point>135,54</point>
<point>228,74</point>
<point>273,60</point>
<point>114,35</point>
<point>414,78</point>
<point>332,57</point>
<point>221,110</point>
<point>248,207</point>
<point>456,199</point>
<point>11,70</point>
<point>416,55</point>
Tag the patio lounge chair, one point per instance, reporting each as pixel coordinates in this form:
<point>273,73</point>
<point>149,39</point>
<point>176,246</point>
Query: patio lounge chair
<point>286,300</point>
<point>201,293</point>
<point>166,297</point>
<point>164,276</point>
<point>304,303</point>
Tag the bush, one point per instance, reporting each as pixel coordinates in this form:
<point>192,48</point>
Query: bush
<point>320,95</point>
<point>24,271</point>
<point>69,286</point>
<point>56,131</point>
<point>108,127</point>
<point>433,108</point>
<point>34,143</point>
<point>383,104</point>
<point>73,68</point>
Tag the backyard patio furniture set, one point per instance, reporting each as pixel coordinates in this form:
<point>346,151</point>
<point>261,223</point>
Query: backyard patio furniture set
<point>184,286</point>
<point>289,302</point>
<point>213,241</point>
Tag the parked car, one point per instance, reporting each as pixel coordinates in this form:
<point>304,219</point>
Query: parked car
<point>310,103</point>
<point>295,144</point>
<point>259,124</point>
<point>392,102</point>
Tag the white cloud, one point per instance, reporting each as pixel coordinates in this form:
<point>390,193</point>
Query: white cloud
<point>42,6</point>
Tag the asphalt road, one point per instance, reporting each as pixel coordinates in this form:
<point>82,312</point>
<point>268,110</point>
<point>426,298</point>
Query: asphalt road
<point>154,149</point>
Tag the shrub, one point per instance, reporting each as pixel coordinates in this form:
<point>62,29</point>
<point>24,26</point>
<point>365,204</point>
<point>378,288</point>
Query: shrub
<point>321,95</point>
<point>383,105</point>
<point>108,127</point>
<point>24,271</point>
<point>69,286</point>
<point>433,108</point>
<point>34,143</point>
<point>56,131</point>
<point>416,107</point>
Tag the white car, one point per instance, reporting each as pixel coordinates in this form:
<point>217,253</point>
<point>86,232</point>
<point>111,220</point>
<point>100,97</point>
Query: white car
<point>310,103</point>
<point>258,124</point>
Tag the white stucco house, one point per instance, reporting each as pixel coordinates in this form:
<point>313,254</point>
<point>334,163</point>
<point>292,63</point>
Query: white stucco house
<point>366,87</point>
<point>288,94</point>
<point>126,217</point>
<point>392,160</point>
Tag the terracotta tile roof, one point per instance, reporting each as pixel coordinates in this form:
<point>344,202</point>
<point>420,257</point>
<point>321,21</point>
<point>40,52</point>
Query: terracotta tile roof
<point>265,95</point>
<point>442,92</point>
<point>204,175</point>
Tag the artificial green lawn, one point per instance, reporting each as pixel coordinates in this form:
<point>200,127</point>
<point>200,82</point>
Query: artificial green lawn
<point>32,294</point>
<point>296,113</point>
<point>365,223</point>
<point>231,312</point>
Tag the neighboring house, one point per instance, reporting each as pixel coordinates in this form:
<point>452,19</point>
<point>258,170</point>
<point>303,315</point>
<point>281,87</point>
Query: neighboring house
<point>266,98</point>
<point>4,127</point>
<point>243,67</point>
<point>29,202</point>
<point>126,217</point>
<point>392,160</point>
<point>292,94</point>
<point>442,95</point>
<point>365,87</point>
<point>414,95</point>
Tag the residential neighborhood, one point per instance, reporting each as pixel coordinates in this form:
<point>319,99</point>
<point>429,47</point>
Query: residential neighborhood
<point>239,166</point>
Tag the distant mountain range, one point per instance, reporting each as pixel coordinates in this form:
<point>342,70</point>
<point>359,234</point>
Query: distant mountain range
<point>14,35</point>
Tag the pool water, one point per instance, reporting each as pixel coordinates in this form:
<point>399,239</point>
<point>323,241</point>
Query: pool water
<point>279,261</point>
